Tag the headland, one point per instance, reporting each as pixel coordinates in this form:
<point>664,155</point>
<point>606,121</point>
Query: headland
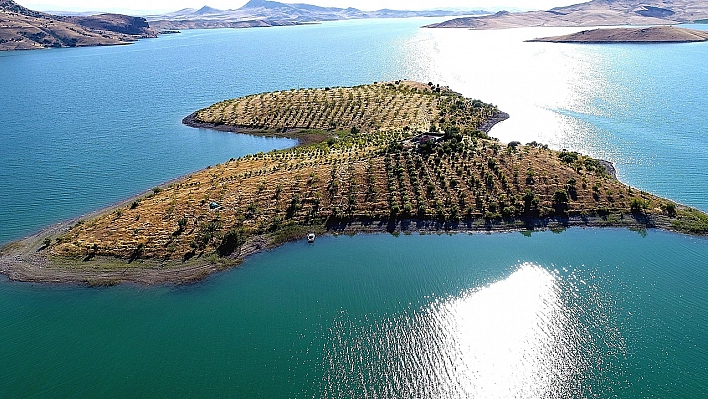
<point>25,29</point>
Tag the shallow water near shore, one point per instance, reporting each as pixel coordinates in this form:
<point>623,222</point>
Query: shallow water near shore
<point>583,313</point>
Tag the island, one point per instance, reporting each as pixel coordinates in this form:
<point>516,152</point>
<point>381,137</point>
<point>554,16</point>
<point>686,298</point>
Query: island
<point>653,34</point>
<point>383,157</point>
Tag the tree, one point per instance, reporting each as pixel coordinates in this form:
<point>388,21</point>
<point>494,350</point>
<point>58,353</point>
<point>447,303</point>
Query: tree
<point>233,239</point>
<point>560,197</point>
<point>638,205</point>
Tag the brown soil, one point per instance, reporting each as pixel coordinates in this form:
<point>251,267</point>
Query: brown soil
<point>369,175</point>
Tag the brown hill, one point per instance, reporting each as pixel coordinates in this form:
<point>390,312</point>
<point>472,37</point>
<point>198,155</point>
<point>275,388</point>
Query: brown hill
<point>25,29</point>
<point>383,157</point>
<point>592,13</point>
<point>654,34</point>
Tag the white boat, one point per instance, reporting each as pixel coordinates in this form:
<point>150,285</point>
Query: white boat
<point>311,237</point>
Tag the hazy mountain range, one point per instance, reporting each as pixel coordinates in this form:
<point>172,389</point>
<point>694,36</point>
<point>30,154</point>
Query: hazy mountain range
<point>592,13</point>
<point>25,29</point>
<point>272,13</point>
<point>22,28</point>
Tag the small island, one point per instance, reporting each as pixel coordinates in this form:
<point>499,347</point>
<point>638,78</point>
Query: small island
<point>383,157</point>
<point>654,34</point>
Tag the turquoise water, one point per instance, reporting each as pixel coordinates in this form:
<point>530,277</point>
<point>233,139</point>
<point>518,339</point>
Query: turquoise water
<point>585,313</point>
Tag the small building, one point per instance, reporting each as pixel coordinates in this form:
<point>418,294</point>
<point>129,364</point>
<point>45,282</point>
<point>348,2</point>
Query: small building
<point>423,138</point>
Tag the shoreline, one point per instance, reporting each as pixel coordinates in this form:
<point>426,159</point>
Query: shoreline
<point>27,261</point>
<point>293,133</point>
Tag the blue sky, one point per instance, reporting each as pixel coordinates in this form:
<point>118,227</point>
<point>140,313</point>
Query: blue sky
<point>173,5</point>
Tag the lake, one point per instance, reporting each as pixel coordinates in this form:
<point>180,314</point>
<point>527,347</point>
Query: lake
<point>583,313</point>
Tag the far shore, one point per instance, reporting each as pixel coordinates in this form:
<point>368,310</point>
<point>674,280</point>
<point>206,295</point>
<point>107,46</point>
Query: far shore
<point>652,34</point>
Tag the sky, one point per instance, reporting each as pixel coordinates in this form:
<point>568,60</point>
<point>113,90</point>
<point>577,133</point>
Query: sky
<point>142,6</point>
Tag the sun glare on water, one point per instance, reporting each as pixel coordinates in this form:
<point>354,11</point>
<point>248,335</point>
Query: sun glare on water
<point>514,338</point>
<point>510,338</point>
<point>534,82</point>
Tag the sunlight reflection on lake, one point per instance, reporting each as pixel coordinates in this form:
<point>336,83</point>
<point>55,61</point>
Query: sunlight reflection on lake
<point>513,338</point>
<point>530,81</point>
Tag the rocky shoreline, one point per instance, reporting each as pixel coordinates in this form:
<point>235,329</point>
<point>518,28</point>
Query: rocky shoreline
<point>28,261</point>
<point>294,133</point>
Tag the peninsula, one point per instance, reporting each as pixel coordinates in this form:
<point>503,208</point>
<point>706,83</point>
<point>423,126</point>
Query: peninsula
<point>653,34</point>
<point>25,29</point>
<point>395,156</point>
<point>592,13</point>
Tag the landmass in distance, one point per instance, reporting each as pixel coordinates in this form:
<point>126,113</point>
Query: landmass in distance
<point>653,34</point>
<point>593,13</point>
<point>25,29</point>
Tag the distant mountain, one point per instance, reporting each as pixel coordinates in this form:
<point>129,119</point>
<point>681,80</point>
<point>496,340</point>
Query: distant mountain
<point>206,10</point>
<point>273,13</point>
<point>25,29</point>
<point>592,13</point>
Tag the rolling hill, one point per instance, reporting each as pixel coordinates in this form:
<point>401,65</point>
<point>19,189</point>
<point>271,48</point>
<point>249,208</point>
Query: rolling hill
<point>25,29</point>
<point>592,13</point>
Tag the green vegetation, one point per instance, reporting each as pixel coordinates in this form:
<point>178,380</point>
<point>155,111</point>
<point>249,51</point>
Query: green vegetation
<point>692,221</point>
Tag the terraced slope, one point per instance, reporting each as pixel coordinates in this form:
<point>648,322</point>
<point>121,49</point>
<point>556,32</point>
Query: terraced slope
<point>387,156</point>
<point>369,170</point>
<point>369,108</point>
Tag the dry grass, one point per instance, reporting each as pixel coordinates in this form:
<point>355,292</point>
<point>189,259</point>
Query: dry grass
<point>376,174</point>
<point>369,108</point>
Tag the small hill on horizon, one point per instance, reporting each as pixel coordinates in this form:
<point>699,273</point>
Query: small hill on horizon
<point>591,13</point>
